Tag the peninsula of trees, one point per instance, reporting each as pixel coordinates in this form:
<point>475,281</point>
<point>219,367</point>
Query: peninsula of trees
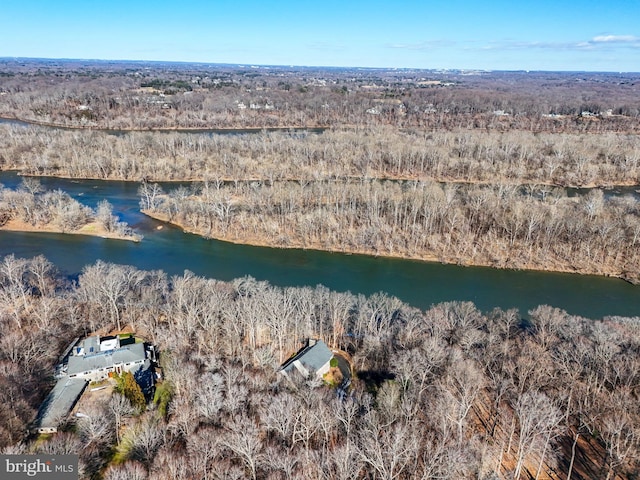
<point>32,208</point>
<point>529,227</point>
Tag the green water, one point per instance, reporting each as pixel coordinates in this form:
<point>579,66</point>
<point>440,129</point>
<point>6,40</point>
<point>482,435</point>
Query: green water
<point>418,283</point>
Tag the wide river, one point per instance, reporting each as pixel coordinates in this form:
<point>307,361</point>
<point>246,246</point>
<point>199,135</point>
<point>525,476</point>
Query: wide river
<point>420,284</point>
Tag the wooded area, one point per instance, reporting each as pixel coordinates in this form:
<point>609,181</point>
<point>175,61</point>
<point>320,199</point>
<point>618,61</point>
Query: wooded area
<point>369,152</point>
<point>447,393</point>
<point>501,226</point>
<point>519,134</point>
<point>452,166</point>
<point>151,95</point>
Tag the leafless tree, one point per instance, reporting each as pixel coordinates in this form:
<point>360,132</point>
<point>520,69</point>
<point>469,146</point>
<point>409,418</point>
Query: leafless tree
<point>243,440</point>
<point>389,450</point>
<point>538,419</point>
<point>120,408</point>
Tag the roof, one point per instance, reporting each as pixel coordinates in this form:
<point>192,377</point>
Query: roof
<point>91,345</point>
<point>59,402</point>
<point>127,354</point>
<point>313,357</point>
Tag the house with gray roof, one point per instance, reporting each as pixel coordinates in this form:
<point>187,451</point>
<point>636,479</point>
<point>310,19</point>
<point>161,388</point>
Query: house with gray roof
<point>94,363</point>
<point>59,403</point>
<point>314,359</point>
<point>92,360</point>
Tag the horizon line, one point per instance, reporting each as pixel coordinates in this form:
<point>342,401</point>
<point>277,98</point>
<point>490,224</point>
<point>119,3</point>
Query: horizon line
<point>292,66</point>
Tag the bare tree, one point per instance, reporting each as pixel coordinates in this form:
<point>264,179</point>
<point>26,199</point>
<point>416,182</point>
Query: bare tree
<point>463,385</point>
<point>120,408</point>
<point>109,284</point>
<point>144,440</point>
<point>389,451</point>
<point>243,439</point>
<point>126,471</point>
<point>538,419</point>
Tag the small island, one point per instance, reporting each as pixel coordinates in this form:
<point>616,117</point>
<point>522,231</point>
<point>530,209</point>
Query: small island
<point>31,208</point>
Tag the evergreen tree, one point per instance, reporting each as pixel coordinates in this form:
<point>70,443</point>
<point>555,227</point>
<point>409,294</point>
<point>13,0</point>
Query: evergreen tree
<point>128,387</point>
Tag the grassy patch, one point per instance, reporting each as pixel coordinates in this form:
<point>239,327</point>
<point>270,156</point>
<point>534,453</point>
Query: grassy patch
<point>162,397</point>
<point>42,438</point>
<point>121,453</point>
<point>100,383</point>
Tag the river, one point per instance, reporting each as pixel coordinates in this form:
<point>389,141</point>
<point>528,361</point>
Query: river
<point>421,284</point>
<point>206,131</point>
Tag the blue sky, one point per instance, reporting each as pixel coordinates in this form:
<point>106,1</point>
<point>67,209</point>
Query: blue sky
<point>542,35</point>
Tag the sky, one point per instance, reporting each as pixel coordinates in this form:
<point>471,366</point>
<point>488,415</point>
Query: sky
<point>566,35</point>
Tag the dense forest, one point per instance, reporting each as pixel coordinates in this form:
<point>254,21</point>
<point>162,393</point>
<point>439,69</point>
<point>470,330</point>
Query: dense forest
<point>371,152</point>
<point>450,392</point>
<point>500,226</point>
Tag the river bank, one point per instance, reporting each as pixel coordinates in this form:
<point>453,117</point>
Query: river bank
<point>419,283</point>
<point>93,229</point>
<point>178,129</point>
<point>258,241</point>
<point>392,241</point>
<point>351,178</point>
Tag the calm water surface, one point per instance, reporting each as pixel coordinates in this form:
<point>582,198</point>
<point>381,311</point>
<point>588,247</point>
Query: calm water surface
<point>418,283</point>
<point>207,131</point>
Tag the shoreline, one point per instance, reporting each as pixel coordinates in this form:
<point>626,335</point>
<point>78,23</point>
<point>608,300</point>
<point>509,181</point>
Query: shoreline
<point>91,229</point>
<point>432,258</point>
<point>96,128</point>
<point>448,181</point>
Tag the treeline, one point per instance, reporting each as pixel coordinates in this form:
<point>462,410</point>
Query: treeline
<point>447,393</point>
<point>501,226</point>
<point>32,205</point>
<point>463,155</point>
<point>189,96</point>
